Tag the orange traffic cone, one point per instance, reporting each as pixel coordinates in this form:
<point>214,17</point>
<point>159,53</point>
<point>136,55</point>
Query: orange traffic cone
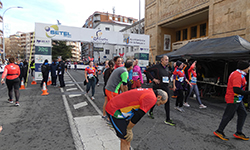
<point>49,82</point>
<point>33,82</point>
<point>22,86</point>
<point>44,89</point>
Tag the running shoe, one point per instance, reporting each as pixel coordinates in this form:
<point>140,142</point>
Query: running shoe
<point>181,109</point>
<point>241,136</point>
<point>92,98</point>
<point>220,135</point>
<point>10,101</point>
<point>150,115</point>
<point>202,106</point>
<point>174,96</point>
<point>17,103</point>
<point>169,122</point>
<point>186,105</point>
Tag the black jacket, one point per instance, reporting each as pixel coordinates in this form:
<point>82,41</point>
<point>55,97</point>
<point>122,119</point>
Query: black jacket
<point>60,68</point>
<point>159,71</point>
<point>45,69</point>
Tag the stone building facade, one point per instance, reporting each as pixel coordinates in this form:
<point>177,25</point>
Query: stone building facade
<point>176,22</point>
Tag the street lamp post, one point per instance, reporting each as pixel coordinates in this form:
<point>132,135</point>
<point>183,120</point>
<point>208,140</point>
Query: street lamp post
<point>3,28</point>
<point>139,16</point>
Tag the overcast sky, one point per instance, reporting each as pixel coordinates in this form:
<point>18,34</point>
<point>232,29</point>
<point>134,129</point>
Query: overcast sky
<point>68,12</point>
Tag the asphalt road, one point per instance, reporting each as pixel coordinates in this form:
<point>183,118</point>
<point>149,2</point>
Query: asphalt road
<point>41,122</point>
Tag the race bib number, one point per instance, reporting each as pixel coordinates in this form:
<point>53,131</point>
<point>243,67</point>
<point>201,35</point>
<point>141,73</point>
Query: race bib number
<point>91,75</point>
<point>194,79</point>
<point>181,79</point>
<point>165,79</point>
<point>135,74</point>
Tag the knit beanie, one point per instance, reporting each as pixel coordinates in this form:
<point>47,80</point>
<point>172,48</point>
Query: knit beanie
<point>242,64</point>
<point>178,63</point>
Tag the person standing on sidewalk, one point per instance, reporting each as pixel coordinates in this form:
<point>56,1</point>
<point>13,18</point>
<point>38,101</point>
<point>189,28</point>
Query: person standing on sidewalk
<point>179,80</point>
<point>192,77</point>
<point>60,71</point>
<point>45,68</point>
<point>235,92</point>
<point>90,77</point>
<point>53,72</point>
<point>160,75</point>
<point>12,72</point>
<point>126,109</point>
<point>32,67</point>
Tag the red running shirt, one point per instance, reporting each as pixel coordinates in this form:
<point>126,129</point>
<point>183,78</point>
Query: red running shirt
<point>236,79</point>
<point>11,71</point>
<point>90,70</point>
<point>143,99</point>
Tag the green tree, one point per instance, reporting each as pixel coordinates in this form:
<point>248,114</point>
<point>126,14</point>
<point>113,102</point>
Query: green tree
<point>61,49</point>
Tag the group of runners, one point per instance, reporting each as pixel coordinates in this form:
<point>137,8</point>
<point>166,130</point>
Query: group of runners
<point>124,107</point>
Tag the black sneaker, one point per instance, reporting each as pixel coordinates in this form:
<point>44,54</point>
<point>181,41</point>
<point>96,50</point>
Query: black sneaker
<point>150,115</point>
<point>169,122</point>
<point>241,136</point>
<point>220,135</point>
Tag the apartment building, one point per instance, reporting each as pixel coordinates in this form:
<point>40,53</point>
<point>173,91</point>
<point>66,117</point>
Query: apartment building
<point>13,46</point>
<point>76,50</point>
<point>173,23</point>
<point>105,22</point>
<point>28,44</point>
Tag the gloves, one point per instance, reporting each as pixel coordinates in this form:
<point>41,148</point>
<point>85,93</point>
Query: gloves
<point>129,135</point>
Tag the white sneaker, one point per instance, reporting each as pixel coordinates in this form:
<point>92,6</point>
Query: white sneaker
<point>202,106</point>
<point>176,107</point>
<point>92,98</point>
<point>179,109</point>
<point>186,105</point>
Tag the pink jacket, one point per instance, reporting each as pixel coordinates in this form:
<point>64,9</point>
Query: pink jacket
<point>137,73</point>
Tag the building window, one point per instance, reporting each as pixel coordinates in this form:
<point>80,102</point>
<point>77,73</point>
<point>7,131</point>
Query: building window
<point>178,35</point>
<point>116,18</point>
<point>127,50</point>
<point>110,17</point>
<point>193,32</point>
<point>107,51</point>
<point>107,29</point>
<point>131,49</point>
<point>184,34</point>
<point>203,29</point>
<point>125,20</point>
<point>90,25</point>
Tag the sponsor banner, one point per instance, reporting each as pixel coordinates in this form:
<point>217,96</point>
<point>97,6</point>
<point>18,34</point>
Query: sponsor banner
<point>38,67</point>
<point>59,32</point>
<point>38,75</point>
<point>41,58</point>
<point>41,50</point>
<point>43,42</point>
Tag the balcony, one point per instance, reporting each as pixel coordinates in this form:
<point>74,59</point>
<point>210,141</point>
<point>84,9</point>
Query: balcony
<point>96,18</point>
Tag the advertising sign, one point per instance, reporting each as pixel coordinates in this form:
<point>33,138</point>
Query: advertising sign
<point>41,50</point>
<point>42,58</point>
<point>43,42</point>
<point>59,32</point>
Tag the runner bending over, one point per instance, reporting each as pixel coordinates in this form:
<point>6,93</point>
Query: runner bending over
<point>125,112</point>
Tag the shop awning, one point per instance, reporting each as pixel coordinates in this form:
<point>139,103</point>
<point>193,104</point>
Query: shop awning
<point>227,48</point>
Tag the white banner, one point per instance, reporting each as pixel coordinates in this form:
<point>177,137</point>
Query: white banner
<point>43,42</point>
<point>41,58</point>
<point>59,32</point>
<point>38,76</point>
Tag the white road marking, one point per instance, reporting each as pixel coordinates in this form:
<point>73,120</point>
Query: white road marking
<point>74,95</point>
<point>69,84</point>
<point>79,105</point>
<point>71,89</point>
<point>74,131</point>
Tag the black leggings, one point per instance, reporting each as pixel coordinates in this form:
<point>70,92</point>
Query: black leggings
<point>13,83</point>
<point>179,99</point>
